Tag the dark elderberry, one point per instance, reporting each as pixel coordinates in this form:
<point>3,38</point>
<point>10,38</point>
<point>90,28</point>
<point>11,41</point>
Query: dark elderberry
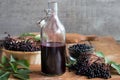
<point>95,69</point>
<point>20,45</point>
<point>78,49</point>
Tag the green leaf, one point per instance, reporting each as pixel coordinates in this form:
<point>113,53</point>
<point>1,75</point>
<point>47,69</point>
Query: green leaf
<point>12,59</point>
<point>14,67</point>
<point>100,54</point>
<point>1,65</point>
<point>22,74</point>
<point>119,65</point>
<point>23,63</point>
<point>5,76</point>
<point>23,71</point>
<point>27,34</point>
<point>4,60</point>
<point>9,67</point>
<point>21,77</point>
<point>108,61</point>
<point>1,72</point>
<point>37,37</point>
<point>116,67</point>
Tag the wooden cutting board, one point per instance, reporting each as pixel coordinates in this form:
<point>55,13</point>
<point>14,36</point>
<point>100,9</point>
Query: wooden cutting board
<point>107,45</point>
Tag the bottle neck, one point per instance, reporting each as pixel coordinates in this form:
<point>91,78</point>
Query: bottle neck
<point>54,8</point>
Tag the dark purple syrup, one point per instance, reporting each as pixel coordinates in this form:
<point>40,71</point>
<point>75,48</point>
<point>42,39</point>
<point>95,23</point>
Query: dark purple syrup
<point>53,58</point>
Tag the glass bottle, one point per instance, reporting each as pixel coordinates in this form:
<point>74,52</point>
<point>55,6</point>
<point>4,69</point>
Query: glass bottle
<point>53,43</point>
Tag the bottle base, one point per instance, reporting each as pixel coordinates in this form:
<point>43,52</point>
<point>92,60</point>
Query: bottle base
<point>50,75</point>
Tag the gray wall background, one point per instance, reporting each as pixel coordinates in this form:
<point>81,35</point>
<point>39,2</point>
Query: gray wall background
<point>100,17</point>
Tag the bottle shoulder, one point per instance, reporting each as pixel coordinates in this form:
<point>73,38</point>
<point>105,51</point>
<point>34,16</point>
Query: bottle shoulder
<point>53,22</point>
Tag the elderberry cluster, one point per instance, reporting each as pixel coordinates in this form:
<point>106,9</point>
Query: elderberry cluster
<point>78,49</point>
<point>88,64</point>
<point>100,70</point>
<point>83,66</point>
<point>20,45</point>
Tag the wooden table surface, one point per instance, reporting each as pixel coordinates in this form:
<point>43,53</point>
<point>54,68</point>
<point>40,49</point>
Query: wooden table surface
<point>107,45</point>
